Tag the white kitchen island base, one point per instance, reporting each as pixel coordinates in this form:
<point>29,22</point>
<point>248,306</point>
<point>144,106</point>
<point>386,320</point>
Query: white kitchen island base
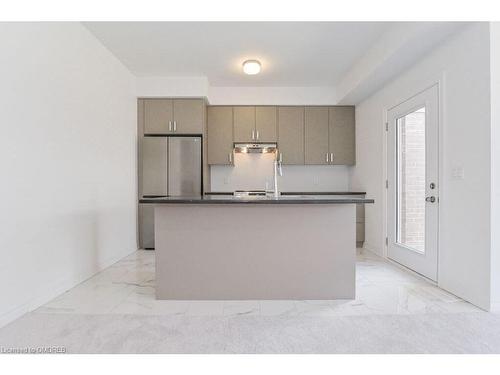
<point>255,251</point>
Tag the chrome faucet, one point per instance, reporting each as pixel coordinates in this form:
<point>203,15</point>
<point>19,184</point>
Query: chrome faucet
<point>277,170</point>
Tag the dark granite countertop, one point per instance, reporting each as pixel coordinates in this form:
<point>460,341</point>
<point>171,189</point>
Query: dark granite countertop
<point>285,199</point>
<point>298,193</point>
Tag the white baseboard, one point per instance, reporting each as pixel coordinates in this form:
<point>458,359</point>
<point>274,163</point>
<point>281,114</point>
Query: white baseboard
<point>54,289</point>
<point>373,249</point>
<point>495,307</point>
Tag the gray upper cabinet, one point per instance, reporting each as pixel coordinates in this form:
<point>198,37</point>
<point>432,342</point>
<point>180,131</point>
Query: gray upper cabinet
<point>220,135</point>
<point>174,116</point>
<point>244,124</point>
<point>158,116</point>
<point>316,135</point>
<point>189,116</point>
<point>342,136</point>
<point>255,124</point>
<point>291,134</point>
<point>266,119</point>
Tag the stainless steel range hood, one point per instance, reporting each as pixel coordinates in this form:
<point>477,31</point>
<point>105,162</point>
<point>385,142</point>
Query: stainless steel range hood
<point>255,148</point>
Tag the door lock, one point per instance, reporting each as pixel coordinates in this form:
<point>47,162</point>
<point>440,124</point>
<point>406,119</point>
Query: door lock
<point>431,199</point>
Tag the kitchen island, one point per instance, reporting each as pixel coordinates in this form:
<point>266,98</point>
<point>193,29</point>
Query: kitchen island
<point>228,247</point>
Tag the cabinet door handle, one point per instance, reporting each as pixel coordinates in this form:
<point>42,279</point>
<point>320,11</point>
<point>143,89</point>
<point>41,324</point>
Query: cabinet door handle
<point>230,155</point>
<point>257,135</point>
<point>327,158</point>
<point>281,157</point>
<point>253,135</point>
<point>175,126</point>
<point>170,126</point>
<point>331,157</point>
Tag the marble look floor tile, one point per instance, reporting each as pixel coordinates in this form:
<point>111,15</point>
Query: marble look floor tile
<point>89,299</point>
<point>277,307</point>
<point>128,287</point>
<point>314,307</point>
<point>205,308</point>
<point>250,307</point>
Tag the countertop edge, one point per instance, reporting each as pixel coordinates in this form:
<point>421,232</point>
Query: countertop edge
<point>257,201</point>
<point>285,193</point>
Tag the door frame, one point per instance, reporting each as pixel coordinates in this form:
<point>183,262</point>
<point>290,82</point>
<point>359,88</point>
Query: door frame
<point>407,94</point>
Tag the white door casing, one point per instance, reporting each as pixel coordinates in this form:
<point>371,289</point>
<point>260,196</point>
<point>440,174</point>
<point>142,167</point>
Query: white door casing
<point>413,186</point>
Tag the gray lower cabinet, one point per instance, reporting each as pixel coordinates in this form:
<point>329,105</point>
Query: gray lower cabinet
<point>316,135</point>
<point>174,116</point>
<point>291,134</point>
<point>342,136</point>
<point>146,226</point>
<point>360,224</point>
<point>220,135</point>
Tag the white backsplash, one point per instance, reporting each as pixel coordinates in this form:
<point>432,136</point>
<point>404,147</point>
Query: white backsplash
<point>253,171</point>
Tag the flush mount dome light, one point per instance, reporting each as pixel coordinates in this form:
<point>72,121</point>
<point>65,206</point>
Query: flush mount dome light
<point>251,67</point>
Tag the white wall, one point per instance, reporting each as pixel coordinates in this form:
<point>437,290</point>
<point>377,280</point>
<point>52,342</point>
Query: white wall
<point>172,87</point>
<point>67,156</point>
<point>495,163</point>
<point>272,95</point>
<point>253,171</point>
<point>462,66</point>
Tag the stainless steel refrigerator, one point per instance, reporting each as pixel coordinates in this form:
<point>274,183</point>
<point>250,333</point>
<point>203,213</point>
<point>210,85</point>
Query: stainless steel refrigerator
<point>170,166</point>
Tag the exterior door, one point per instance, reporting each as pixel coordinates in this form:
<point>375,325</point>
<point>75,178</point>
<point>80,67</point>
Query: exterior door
<point>413,186</point>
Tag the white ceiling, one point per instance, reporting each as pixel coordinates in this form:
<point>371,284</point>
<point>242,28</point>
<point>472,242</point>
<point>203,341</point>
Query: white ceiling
<point>291,53</point>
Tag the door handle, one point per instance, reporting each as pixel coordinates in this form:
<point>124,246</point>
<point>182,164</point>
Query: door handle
<point>430,199</point>
<point>170,126</point>
<point>257,136</point>
<point>331,157</point>
<point>230,157</point>
<point>175,126</point>
<point>327,158</point>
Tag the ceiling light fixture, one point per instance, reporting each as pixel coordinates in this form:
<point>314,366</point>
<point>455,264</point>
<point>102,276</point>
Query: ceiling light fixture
<point>251,67</point>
